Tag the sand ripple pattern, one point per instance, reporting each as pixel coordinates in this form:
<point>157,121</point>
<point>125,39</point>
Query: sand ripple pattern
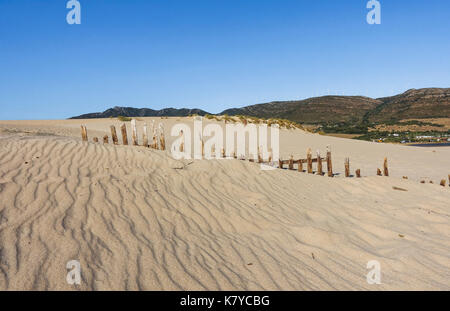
<point>138,220</point>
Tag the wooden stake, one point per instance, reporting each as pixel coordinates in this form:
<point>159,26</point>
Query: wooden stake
<point>347,167</point>
<point>105,139</point>
<point>280,163</point>
<point>134,138</point>
<point>385,167</point>
<point>309,160</point>
<point>95,139</point>
<point>291,163</point>
<point>114,135</point>
<point>319,164</point>
<point>162,139</point>
<point>260,159</point>
<point>443,182</point>
<point>182,141</point>
<point>329,164</point>
<point>84,136</point>
<point>379,172</point>
<point>358,173</point>
<point>144,136</point>
<point>300,165</point>
<point>123,128</point>
<point>155,139</point>
<point>223,153</point>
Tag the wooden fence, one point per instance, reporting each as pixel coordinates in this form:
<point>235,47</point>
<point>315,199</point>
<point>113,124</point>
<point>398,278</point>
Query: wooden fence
<point>158,142</point>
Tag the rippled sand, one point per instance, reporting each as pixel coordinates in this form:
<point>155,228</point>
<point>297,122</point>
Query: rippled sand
<point>137,219</point>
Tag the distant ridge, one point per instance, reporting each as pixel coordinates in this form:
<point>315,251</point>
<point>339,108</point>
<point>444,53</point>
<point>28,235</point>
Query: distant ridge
<point>141,112</point>
<point>414,103</point>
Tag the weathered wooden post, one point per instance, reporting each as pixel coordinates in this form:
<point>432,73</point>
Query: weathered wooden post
<point>155,137</point>
<point>123,128</point>
<point>347,167</point>
<point>105,139</point>
<point>84,136</point>
<point>95,139</point>
<point>385,167</point>
<point>309,160</point>
<point>319,164</point>
<point>134,138</point>
<point>358,173</point>
<point>114,135</point>
<point>329,163</point>
<point>280,163</point>
<point>291,162</point>
<point>182,141</point>
<point>223,153</point>
<point>300,165</point>
<point>162,139</point>
<point>443,182</point>
<point>144,136</point>
<point>260,159</point>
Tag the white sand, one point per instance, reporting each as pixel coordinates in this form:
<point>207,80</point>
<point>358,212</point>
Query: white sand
<point>137,219</point>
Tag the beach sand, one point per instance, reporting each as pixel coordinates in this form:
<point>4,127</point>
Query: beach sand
<point>136,219</point>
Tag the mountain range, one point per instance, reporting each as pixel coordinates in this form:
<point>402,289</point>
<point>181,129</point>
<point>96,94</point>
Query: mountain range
<point>412,104</point>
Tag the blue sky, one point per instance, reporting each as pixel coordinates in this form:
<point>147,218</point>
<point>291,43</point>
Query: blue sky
<point>213,54</point>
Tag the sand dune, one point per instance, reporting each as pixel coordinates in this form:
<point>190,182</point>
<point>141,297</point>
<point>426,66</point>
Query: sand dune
<point>137,219</point>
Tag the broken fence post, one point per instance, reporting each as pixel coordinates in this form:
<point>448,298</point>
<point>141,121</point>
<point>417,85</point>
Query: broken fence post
<point>84,136</point>
<point>280,163</point>
<point>358,173</point>
<point>347,167</point>
<point>291,162</point>
<point>123,129</point>
<point>385,167</point>
<point>114,135</point>
<point>329,164</point>
<point>319,164</point>
<point>144,136</point>
<point>300,165</point>
<point>379,172</point>
<point>443,182</point>
<point>134,138</point>
<point>309,160</point>
<point>162,139</point>
<point>105,139</point>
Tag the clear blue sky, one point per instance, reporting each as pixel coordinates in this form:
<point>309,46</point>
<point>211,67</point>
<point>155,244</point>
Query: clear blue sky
<point>213,54</point>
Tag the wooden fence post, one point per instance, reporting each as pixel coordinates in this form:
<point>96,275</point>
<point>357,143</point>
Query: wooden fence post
<point>95,139</point>
<point>155,137</point>
<point>347,167</point>
<point>385,167</point>
<point>329,163</point>
<point>84,136</point>
<point>358,173</point>
<point>162,139</point>
<point>443,182</point>
<point>291,162</point>
<point>182,141</point>
<point>114,135</point>
<point>105,139</point>
<point>379,172</point>
<point>134,138</point>
<point>300,165</point>
<point>319,164</point>
<point>144,136</point>
<point>123,128</point>
<point>223,153</point>
<point>280,163</point>
<point>309,160</point>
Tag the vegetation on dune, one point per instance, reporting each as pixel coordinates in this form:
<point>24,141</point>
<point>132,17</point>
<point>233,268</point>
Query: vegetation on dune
<point>124,119</point>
